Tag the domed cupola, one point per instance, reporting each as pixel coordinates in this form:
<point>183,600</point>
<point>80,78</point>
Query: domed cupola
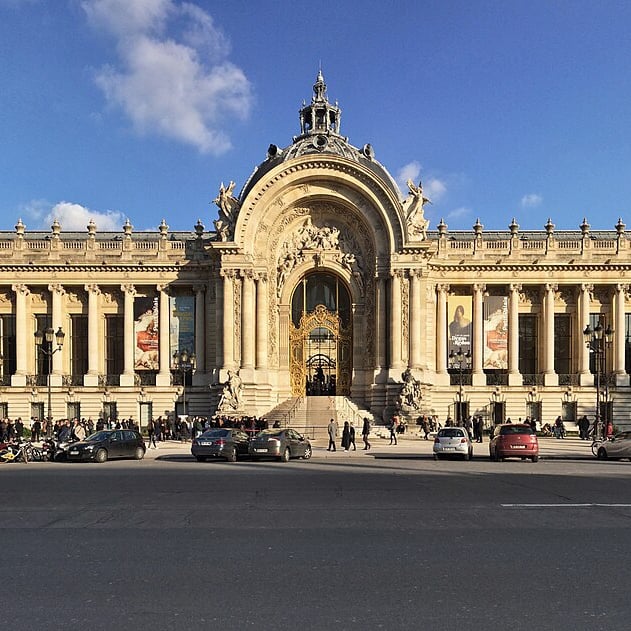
<point>319,117</point>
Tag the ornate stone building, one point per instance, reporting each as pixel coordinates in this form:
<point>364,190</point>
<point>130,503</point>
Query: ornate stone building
<point>320,278</point>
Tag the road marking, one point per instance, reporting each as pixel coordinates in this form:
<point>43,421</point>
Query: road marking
<point>591,505</point>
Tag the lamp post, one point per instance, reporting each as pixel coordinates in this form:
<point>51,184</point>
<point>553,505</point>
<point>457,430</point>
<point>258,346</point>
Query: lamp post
<point>459,360</point>
<point>49,336</point>
<point>184,362</point>
<point>597,341</point>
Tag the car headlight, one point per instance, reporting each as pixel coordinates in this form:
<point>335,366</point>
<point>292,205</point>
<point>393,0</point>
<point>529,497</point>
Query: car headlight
<point>90,448</point>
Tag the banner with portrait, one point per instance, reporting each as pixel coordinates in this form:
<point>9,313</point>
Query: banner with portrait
<point>495,333</point>
<point>459,330</point>
<point>146,333</point>
<point>182,323</point>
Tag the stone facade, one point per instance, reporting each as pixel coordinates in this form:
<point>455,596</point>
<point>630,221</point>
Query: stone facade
<point>318,207</point>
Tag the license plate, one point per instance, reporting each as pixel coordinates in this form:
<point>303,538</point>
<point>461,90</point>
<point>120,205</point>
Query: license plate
<point>518,446</point>
<point>74,453</point>
<point>258,451</point>
<point>448,448</point>
<point>206,444</point>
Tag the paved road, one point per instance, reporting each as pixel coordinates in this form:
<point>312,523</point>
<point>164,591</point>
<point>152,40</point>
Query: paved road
<point>390,540</point>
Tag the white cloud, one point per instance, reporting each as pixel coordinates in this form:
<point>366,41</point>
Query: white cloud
<point>182,88</point>
<point>409,171</point>
<point>459,213</point>
<point>531,200</point>
<point>76,217</point>
<point>434,188</point>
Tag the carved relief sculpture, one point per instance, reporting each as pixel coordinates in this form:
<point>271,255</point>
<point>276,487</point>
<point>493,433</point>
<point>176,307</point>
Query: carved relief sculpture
<point>410,396</point>
<point>228,206</point>
<point>414,212</point>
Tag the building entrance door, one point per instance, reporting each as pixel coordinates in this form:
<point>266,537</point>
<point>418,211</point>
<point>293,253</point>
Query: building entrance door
<point>320,336</point>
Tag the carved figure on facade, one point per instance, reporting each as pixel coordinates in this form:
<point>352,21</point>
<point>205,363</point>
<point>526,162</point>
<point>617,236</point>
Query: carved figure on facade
<point>413,207</point>
<point>409,398</point>
<point>231,394</point>
<point>228,206</point>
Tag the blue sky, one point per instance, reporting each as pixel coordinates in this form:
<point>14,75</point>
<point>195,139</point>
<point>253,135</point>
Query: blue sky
<point>139,109</point>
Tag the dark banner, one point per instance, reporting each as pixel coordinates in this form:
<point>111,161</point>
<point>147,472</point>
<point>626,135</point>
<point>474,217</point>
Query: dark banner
<point>146,330</point>
<point>459,312</point>
<point>496,333</point>
<point>182,323</point>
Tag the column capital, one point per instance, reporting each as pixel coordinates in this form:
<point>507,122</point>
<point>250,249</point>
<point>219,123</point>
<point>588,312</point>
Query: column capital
<point>515,287</point>
<point>20,288</point>
<point>622,287</point>
<point>57,288</point>
<point>129,289</point>
<point>397,273</point>
<point>479,287</point>
<point>442,288</point>
<point>92,289</point>
<point>262,277</point>
<point>247,273</point>
<point>164,288</point>
<point>199,288</point>
<point>229,274</point>
<point>550,287</point>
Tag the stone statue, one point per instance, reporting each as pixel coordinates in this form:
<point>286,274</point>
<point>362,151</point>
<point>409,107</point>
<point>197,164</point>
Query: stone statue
<point>231,394</point>
<point>414,211</point>
<point>410,394</point>
<point>228,206</point>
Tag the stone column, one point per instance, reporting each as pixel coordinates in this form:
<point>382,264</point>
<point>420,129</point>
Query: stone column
<point>163,378</point>
<point>585,376</point>
<point>24,340</point>
<point>57,292</point>
<point>441,332</point>
<point>200,328</point>
<point>514,376</point>
<point>248,330</point>
<point>550,378</point>
<point>415,319</point>
<point>128,376</point>
<point>396,362</point>
<point>622,378</point>
<point>262,319</point>
<point>219,323</point>
<point>228,319</point>
<point>478,378</point>
<point>381,328</point>
<point>91,378</point>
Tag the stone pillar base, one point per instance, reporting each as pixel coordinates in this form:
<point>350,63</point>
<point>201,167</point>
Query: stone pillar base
<point>622,379</point>
<point>90,380</point>
<point>515,379</point>
<point>128,379</point>
<point>18,380</point>
<point>56,380</point>
<point>478,379</point>
<point>442,379</point>
<point>586,379</point>
<point>163,379</point>
<point>551,379</point>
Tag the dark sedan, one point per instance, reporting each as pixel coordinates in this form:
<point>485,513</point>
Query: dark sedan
<point>107,444</point>
<point>225,443</point>
<point>282,444</point>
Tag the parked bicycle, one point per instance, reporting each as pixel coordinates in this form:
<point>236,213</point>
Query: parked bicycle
<point>22,451</point>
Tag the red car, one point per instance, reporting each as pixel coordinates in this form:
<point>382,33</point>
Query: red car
<point>514,440</point>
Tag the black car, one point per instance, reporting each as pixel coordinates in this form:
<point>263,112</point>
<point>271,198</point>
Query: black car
<point>228,443</point>
<point>108,443</point>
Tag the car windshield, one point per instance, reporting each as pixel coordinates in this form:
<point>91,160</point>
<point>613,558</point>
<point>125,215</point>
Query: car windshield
<point>266,433</point>
<point>98,436</point>
<point>515,429</point>
<point>450,432</point>
<point>215,433</point>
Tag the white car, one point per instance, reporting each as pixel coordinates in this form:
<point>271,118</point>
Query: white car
<point>453,441</point>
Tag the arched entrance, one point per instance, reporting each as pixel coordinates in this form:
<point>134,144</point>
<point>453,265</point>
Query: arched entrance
<point>320,337</point>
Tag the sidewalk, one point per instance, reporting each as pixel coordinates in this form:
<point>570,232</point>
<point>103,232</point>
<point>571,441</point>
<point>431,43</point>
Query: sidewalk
<point>412,446</point>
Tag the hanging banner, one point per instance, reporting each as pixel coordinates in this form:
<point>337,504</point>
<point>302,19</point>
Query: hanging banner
<point>146,330</point>
<point>496,333</point>
<point>459,309</point>
<point>182,323</point>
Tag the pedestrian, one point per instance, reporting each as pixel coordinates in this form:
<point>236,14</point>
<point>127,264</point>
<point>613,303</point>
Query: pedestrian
<point>151,433</point>
<point>346,436</point>
<point>559,428</point>
<point>352,435</point>
<point>583,428</point>
<point>36,430</point>
<point>394,424</point>
<point>366,433</point>
<point>332,432</point>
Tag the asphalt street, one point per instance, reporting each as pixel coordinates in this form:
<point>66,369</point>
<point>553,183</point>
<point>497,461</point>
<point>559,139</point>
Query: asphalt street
<point>387,539</point>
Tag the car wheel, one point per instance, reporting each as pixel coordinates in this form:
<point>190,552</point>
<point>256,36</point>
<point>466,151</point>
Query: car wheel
<point>466,456</point>
<point>535,458</point>
<point>232,456</point>
<point>307,453</point>
<point>285,455</point>
<point>200,458</point>
<point>602,454</point>
<point>139,454</point>
<point>101,455</point>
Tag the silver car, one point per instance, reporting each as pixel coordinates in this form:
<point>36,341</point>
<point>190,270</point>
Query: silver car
<point>453,441</point>
<point>618,446</point>
<point>282,444</point>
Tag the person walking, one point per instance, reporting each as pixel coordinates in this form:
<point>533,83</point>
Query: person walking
<point>36,430</point>
<point>351,433</point>
<point>332,432</point>
<point>346,436</point>
<point>393,430</point>
<point>366,433</point>
<point>151,433</point>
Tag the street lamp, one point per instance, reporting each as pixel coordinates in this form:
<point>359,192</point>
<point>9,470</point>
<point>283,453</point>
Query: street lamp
<point>597,341</point>
<point>459,360</point>
<point>184,362</point>
<point>49,336</point>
